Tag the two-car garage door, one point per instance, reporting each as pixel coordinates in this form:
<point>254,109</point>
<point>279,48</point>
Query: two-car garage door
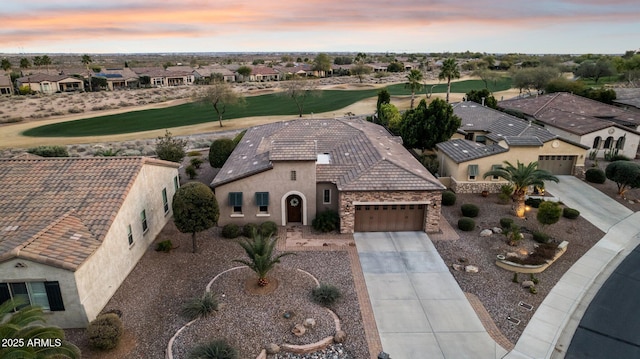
<point>557,165</point>
<point>389,217</point>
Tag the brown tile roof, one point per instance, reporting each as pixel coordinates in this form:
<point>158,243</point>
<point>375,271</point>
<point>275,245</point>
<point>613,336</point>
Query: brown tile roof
<point>363,156</point>
<point>57,211</point>
<point>37,78</point>
<point>263,70</point>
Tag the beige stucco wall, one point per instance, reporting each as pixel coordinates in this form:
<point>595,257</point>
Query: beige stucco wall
<point>277,181</point>
<point>630,146</point>
<point>73,316</point>
<point>333,204</point>
<point>101,274</point>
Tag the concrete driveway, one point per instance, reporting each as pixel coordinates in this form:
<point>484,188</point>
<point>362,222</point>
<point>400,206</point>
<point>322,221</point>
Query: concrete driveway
<point>419,309</point>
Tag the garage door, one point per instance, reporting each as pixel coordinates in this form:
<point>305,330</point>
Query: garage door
<point>558,165</point>
<point>389,218</point>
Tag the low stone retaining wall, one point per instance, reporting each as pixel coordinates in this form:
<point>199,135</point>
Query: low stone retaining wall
<point>476,186</point>
<point>531,269</point>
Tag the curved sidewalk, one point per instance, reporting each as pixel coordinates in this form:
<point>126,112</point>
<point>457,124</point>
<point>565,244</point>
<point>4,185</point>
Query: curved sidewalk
<point>551,329</point>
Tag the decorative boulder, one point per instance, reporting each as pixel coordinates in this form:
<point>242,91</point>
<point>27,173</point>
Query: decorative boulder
<point>512,255</point>
<point>340,336</point>
<point>299,330</point>
<point>486,233</point>
<point>272,348</point>
<point>497,230</point>
<point>309,323</point>
<point>471,269</point>
<point>457,267</point>
<point>527,284</point>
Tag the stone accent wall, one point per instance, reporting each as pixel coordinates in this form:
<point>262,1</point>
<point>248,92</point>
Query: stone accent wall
<point>476,186</point>
<point>579,171</point>
<point>431,218</point>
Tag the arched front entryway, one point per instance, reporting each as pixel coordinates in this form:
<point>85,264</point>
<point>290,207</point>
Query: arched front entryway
<point>294,208</point>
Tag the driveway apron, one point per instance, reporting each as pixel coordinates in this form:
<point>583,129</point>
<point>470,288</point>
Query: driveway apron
<point>419,309</point>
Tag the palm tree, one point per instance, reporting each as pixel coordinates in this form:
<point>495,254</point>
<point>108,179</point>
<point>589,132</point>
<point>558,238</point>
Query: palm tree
<point>86,60</point>
<point>259,249</point>
<point>449,71</point>
<point>27,323</point>
<point>6,64</point>
<point>414,77</point>
<point>521,177</point>
<point>25,63</point>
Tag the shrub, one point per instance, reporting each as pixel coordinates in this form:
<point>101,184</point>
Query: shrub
<point>217,349</point>
<point>326,221</point>
<point>507,189</point>
<point>549,213</point>
<point>196,162</point>
<point>448,198</point>
<point>469,210</point>
<point>619,158</point>
<point>105,331</point>
<point>238,137</point>
<point>164,246</point>
<point>540,237</point>
<point>503,198</point>
<point>49,151</point>
<point>533,202</point>
<point>169,148</point>
<point>540,255</point>
<point>506,222</point>
<point>230,231</point>
<point>249,229</point>
<point>570,213</point>
<point>220,151</point>
<point>194,153</point>
<point>595,175</point>
<point>466,224</point>
<point>190,170</point>
<point>268,228</point>
<point>325,294</point>
<point>200,307</point>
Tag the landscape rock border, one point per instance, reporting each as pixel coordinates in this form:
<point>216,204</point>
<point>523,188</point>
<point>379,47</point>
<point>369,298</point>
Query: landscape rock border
<point>531,269</point>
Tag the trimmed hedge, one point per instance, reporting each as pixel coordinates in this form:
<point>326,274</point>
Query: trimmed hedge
<point>269,228</point>
<point>506,222</point>
<point>541,237</point>
<point>469,210</point>
<point>533,202</point>
<point>105,331</point>
<point>595,175</point>
<point>570,213</point>
<point>231,231</point>
<point>448,198</point>
<point>249,229</point>
<point>466,224</point>
<point>326,221</point>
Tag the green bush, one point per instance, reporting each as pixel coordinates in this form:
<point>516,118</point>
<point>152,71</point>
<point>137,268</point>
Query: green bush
<point>49,151</point>
<point>326,221</point>
<point>470,210</point>
<point>200,307</point>
<point>194,153</point>
<point>570,213</point>
<point>268,228</point>
<point>533,202</point>
<point>164,246</point>
<point>448,198</point>
<point>238,137</point>
<point>220,151</point>
<point>196,162</point>
<point>549,213</point>
<point>190,170</point>
<point>466,224</point>
<point>217,349</point>
<point>231,231</point>
<point>249,229</point>
<point>507,189</point>
<point>170,148</point>
<point>619,158</point>
<point>595,175</point>
<point>540,237</point>
<point>325,294</point>
<point>506,222</point>
<point>105,331</point>
<point>503,198</point>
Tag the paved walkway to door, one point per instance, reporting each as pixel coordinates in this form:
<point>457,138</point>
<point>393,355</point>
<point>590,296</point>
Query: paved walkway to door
<point>419,309</point>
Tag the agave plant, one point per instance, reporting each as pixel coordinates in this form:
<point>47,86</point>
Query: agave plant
<point>259,249</point>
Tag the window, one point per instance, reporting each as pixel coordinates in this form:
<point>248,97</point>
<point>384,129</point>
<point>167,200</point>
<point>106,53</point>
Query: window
<point>608,142</point>
<point>165,201</point>
<point>620,142</point>
<point>44,294</point>
<point>493,168</point>
<point>293,175</point>
<point>596,142</point>
<point>143,219</point>
<point>481,139</point>
<point>235,201</point>
<point>176,183</point>
<point>326,196</point>
<point>473,172</point>
<point>262,201</point>
<point>129,235</point>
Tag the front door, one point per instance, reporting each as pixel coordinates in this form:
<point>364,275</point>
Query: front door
<point>294,208</point>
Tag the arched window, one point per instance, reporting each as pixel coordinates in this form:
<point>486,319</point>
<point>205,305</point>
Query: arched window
<point>596,142</point>
<point>620,142</point>
<point>608,143</point>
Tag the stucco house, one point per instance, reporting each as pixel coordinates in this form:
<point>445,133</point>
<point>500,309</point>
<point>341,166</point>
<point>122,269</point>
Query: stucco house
<point>488,137</point>
<point>6,88</point>
<point>208,72</point>
<point>288,172</point>
<point>48,84</point>
<point>72,229</point>
<point>600,126</point>
<point>118,79</point>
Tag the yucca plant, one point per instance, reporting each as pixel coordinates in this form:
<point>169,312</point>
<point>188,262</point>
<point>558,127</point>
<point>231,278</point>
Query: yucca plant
<point>259,249</point>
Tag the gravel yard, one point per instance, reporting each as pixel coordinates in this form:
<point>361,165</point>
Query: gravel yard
<point>493,285</point>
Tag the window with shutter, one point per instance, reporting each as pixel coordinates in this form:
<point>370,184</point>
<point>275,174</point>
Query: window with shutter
<point>235,201</point>
<point>55,297</point>
<point>262,201</point>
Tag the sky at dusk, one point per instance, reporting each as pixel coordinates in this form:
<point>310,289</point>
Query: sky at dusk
<point>496,26</point>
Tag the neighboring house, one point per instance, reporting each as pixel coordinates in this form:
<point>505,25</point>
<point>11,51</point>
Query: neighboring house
<point>627,98</point>
<point>262,74</point>
<point>6,88</point>
<point>379,67</point>
<point>488,137</point>
<point>48,84</point>
<point>118,79</point>
<point>303,70</point>
<point>288,172</point>
<point>159,77</point>
<point>602,127</point>
<point>209,71</point>
<point>72,229</point>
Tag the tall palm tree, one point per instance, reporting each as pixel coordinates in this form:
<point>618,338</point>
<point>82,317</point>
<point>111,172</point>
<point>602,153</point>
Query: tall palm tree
<point>414,84</point>
<point>259,249</point>
<point>25,63</point>
<point>521,177</point>
<point>86,60</point>
<point>27,323</point>
<point>449,71</point>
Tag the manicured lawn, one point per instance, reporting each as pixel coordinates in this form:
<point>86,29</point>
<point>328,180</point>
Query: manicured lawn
<point>265,105</point>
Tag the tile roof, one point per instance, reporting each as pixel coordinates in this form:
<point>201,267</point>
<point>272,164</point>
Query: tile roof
<point>363,156</point>
<point>460,150</point>
<point>628,97</point>
<point>523,141</point>
<point>572,113</point>
<point>5,80</point>
<point>37,78</point>
<point>57,211</point>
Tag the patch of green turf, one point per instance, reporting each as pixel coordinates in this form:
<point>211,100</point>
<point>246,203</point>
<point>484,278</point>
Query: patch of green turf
<point>264,105</point>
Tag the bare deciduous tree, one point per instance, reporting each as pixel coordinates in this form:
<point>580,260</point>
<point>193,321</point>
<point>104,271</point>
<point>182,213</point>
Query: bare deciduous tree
<point>219,94</point>
<point>299,89</point>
